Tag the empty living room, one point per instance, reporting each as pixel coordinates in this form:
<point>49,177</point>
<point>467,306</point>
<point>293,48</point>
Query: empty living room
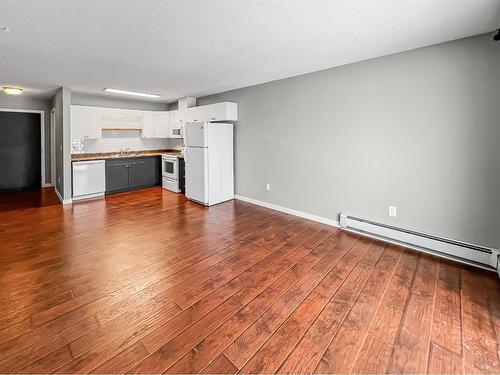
<point>250,186</point>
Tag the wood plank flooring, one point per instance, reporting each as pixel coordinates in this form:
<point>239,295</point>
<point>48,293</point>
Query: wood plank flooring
<point>147,282</point>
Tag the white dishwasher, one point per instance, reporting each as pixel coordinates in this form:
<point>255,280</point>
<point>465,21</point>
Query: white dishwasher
<point>89,179</point>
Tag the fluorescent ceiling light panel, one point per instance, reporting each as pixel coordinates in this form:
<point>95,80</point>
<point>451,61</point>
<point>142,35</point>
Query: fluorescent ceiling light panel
<point>133,93</point>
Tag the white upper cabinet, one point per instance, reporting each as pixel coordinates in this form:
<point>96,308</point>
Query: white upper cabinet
<point>162,123</point>
<point>225,111</point>
<point>99,119</point>
<point>91,121</point>
<point>122,119</point>
<point>94,122</point>
<point>78,121</point>
<point>193,114</point>
<point>148,124</point>
<point>179,115</point>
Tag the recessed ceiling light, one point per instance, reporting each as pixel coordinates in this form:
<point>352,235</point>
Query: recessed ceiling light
<point>12,90</point>
<point>134,93</point>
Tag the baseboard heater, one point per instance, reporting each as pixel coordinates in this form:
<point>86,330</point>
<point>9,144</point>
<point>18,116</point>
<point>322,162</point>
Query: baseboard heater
<point>479,256</point>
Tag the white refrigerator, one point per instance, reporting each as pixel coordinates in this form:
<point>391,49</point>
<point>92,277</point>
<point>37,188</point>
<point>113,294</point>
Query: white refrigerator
<point>208,155</point>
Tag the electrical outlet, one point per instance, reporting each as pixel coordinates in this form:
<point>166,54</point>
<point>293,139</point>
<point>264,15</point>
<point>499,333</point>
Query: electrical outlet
<point>393,211</point>
<point>268,186</point>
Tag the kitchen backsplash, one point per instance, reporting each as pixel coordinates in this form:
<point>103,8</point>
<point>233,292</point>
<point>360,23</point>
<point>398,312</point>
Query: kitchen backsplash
<point>82,146</point>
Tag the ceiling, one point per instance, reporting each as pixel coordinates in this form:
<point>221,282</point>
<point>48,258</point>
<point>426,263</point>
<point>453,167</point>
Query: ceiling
<point>197,47</point>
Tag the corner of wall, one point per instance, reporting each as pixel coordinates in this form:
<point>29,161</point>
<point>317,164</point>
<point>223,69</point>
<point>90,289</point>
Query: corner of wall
<point>66,129</point>
<point>61,102</point>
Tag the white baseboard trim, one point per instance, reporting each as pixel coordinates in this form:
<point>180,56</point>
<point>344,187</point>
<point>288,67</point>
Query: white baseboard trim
<point>63,201</point>
<point>46,185</point>
<point>290,211</point>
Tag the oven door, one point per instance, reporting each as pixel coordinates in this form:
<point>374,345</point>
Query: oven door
<point>170,168</point>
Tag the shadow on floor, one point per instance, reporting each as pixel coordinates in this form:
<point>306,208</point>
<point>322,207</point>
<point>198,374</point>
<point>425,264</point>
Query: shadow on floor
<point>28,199</point>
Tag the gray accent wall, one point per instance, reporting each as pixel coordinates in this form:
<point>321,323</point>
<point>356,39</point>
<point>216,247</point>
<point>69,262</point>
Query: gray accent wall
<point>32,103</point>
<point>113,101</point>
<point>419,130</point>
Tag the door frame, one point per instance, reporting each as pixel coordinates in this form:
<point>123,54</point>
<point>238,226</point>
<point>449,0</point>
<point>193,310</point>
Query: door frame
<point>42,136</point>
<point>53,147</point>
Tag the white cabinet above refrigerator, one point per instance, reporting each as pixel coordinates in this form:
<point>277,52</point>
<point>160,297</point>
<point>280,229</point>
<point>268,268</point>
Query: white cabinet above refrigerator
<point>224,111</point>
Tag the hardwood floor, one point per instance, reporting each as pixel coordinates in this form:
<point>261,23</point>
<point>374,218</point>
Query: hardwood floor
<point>147,282</point>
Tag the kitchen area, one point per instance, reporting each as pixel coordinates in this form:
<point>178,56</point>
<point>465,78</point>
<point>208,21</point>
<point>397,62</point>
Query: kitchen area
<point>188,150</point>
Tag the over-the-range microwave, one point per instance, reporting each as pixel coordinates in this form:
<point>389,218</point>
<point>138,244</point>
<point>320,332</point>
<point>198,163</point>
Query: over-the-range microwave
<point>176,132</point>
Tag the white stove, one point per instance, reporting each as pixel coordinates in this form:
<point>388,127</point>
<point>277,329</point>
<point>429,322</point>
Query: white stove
<point>170,173</point>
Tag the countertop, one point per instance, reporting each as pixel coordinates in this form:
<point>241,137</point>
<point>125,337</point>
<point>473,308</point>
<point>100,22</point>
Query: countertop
<point>128,154</point>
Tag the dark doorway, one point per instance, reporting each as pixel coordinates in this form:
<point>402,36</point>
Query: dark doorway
<point>20,146</point>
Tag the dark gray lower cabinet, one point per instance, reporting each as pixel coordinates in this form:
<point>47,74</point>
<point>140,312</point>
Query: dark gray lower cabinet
<point>116,177</point>
<point>143,173</point>
<point>132,173</point>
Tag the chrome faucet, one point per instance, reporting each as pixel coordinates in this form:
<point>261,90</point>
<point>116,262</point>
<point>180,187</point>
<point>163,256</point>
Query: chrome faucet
<point>123,150</point>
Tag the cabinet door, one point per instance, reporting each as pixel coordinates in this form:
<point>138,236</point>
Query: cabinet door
<point>194,114</point>
<point>116,176</point>
<point>78,121</point>
<point>186,115</point>
<point>225,111</point>
<point>148,125</point>
<point>162,124</point>
<point>178,116</point>
<point>144,172</point>
<point>94,122</point>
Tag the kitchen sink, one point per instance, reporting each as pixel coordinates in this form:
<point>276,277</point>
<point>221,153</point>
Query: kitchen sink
<point>124,155</point>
